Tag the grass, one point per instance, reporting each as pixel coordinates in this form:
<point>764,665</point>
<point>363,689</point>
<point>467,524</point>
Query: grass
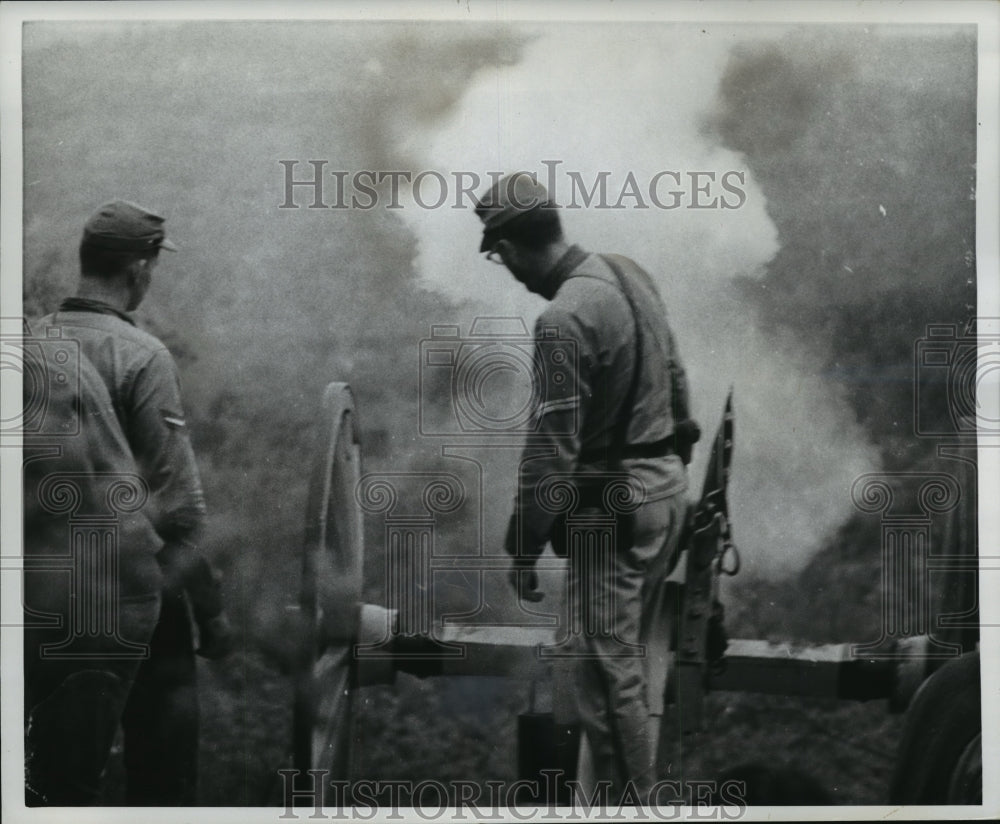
<point>449,729</point>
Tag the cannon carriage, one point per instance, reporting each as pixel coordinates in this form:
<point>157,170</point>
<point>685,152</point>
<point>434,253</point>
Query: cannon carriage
<point>929,672</point>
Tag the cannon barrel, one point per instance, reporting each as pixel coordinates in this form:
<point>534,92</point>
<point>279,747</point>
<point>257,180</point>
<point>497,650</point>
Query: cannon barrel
<point>824,671</point>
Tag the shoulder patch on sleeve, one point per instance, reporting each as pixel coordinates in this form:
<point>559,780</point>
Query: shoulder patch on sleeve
<point>558,405</point>
<point>172,419</point>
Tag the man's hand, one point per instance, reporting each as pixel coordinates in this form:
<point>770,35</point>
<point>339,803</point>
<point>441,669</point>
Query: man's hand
<point>522,575</point>
<point>525,582</point>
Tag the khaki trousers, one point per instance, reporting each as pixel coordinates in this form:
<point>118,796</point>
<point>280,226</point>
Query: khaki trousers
<point>618,596</point>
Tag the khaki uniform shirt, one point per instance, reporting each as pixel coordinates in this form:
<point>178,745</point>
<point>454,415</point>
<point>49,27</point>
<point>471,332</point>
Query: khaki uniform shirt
<point>142,380</point>
<point>74,460</point>
<point>577,427</point>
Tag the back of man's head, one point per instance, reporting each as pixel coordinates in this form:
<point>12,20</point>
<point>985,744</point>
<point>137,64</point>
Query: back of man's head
<point>106,264</point>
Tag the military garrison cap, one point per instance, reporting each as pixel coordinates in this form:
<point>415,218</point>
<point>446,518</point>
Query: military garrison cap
<point>126,227</point>
<point>512,196</point>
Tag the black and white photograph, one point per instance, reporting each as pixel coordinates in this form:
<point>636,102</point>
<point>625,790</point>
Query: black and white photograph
<point>499,411</point>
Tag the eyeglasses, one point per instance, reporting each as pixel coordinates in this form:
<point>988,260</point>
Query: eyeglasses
<point>493,256</point>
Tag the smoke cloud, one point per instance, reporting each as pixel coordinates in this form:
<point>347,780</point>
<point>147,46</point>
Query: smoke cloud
<point>857,150</point>
<point>262,306</point>
<point>864,141</point>
<point>856,230</point>
<point>572,100</point>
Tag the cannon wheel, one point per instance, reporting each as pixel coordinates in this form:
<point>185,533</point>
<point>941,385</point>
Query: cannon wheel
<point>332,561</point>
<point>940,755</point>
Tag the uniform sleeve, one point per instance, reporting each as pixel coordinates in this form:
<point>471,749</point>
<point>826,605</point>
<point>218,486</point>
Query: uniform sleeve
<point>564,358</point>
<point>161,443</point>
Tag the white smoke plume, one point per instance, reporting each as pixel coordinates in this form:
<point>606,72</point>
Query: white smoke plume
<point>634,100</point>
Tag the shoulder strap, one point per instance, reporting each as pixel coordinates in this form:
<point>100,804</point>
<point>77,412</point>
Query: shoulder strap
<point>624,417</point>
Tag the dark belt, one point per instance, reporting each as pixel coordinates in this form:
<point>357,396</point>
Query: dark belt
<point>631,451</point>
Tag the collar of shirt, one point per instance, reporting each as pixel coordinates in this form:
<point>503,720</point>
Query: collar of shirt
<point>564,267</point>
<point>89,305</point>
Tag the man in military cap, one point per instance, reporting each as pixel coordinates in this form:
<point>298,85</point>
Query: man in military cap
<point>630,397</point>
<point>118,253</point>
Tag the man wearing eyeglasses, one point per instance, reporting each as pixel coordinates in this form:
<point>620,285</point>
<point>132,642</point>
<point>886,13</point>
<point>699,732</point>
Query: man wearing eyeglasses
<point>623,413</point>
